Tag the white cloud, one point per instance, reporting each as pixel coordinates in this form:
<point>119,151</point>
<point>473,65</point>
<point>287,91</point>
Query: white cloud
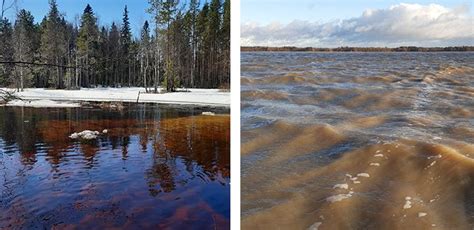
<point>402,24</point>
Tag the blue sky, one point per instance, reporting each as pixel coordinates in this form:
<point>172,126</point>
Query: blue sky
<point>108,11</point>
<point>331,23</point>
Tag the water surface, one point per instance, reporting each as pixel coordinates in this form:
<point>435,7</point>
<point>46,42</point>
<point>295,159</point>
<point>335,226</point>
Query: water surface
<point>157,167</point>
<point>357,140</point>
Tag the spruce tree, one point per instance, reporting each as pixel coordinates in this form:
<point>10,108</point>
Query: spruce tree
<point>87,43</point>
<point>24,45</point>
<point>6,51</point>
<point>126,42</point>
<point>53,46</point>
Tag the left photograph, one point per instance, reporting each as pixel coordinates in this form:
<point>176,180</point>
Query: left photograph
<point>115,114</point>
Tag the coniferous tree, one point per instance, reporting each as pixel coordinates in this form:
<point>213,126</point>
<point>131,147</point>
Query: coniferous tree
<point>87,43</point>
<point>6,51</point>
<point>126,43</point>
<point>189,48</point>
<point>145,53</point>
<point>25,47</point>
<point>53,46</point>
<point>114,53</point>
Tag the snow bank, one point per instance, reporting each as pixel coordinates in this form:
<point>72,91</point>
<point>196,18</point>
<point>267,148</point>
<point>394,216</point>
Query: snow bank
<point>132,94</point>
<point>42,103</point>
<point>208,114</point>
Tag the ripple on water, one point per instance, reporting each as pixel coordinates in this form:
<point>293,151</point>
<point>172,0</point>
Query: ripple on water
<point>400,123</point>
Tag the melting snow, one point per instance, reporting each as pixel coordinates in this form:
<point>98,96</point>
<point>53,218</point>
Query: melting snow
<point>86,134</point>
<point>43,104</point>
<point>208,113</point>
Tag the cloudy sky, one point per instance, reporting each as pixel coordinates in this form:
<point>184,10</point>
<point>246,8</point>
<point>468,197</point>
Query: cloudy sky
<point>325,23</point>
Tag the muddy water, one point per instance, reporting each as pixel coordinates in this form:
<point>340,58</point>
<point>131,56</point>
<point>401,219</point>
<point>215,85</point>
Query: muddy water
<point>357,140</point>
<point>157,167</point>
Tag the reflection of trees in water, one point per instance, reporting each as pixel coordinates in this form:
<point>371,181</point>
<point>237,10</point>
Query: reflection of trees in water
<point>200,143</point>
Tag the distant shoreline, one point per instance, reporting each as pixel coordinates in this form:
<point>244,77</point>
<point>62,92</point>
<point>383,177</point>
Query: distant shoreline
<point>357,49</point>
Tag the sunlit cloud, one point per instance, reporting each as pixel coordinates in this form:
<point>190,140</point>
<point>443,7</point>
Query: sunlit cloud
<point>401,24</point>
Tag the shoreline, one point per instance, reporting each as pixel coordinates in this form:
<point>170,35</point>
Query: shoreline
<point>205,97</point>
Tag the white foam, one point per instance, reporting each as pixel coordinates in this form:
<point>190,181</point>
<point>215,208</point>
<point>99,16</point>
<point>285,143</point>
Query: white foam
<point>374,164</point>
<point>378,155</point>
<point>422,214</point>
<point>356,182</point>
<point>105,131</point>
<point>363,175</point>
<point>339,197</point>
<point>437,138</point>
<point>341,186</point>
<point>407,204</point>
<point>353,178</point>
<point>315,226</point>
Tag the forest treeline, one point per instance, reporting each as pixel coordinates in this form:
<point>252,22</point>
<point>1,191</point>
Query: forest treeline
<point>187,44</point>
<point>358,49</point>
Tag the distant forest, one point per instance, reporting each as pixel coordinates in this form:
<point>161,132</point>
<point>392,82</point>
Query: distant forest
<point>188,45</point>
<point>358,49</point>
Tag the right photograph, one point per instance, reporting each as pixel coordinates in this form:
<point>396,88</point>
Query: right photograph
<point>357,114</point>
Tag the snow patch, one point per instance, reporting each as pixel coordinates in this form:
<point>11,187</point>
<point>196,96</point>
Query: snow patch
<point>43,104</point>
<point>208,114</point>
<point>129,94</point>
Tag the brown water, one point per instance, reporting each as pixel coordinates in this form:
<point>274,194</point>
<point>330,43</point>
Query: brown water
<point>157,167</point>
<point>357,140</point>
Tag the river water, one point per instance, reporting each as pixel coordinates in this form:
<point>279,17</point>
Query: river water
<point>156,167</point>
<point>357,140</point>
